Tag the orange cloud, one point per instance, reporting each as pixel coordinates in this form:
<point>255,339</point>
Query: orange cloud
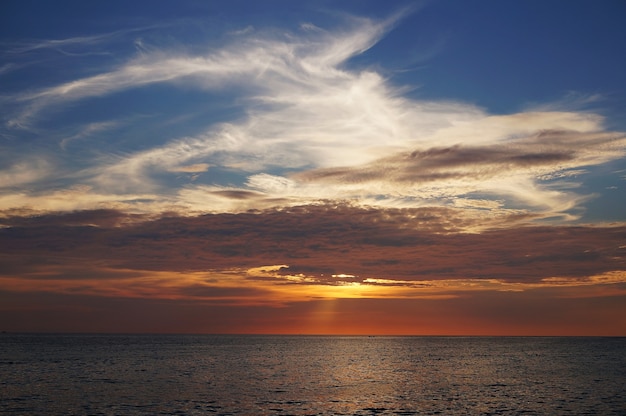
<point>309,270</point>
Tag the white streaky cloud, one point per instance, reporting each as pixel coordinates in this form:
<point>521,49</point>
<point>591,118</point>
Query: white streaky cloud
<point>562,174</point>
<point>24,172</point>
<point>571,101</point>
<point>195,168</point>
<point>199,199</point>
<point>245,31</point>
<point>543,201</point>
<point>341,133</point>
<point>134,172</point>
<point>303,108</point>
<point>272,184</point>
<point>318,136</point>
<point>6,68</point>
<point>349,121</point>
<point>522,194</point>
<point>88,130</point>
<point>248,61</point>
<point>494,129</point>
<point>83,197</point>
<point>511,165</point>
<point>322,125</point>
<point>78,41</point>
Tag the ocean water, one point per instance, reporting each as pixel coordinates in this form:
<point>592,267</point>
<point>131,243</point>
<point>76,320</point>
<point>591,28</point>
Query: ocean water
<point>310,375</point>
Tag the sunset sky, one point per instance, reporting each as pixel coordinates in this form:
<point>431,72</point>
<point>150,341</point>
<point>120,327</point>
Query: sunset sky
<point>313,167</point>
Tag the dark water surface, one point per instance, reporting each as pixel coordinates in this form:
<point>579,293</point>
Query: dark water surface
<point>309,375</point>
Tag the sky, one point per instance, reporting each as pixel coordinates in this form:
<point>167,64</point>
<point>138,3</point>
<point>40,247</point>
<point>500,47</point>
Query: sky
<point>316,167</point>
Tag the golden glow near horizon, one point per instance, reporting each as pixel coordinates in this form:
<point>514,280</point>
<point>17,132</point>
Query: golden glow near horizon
<point>272,287</point>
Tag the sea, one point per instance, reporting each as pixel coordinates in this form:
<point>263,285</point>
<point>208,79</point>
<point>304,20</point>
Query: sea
<point>52,374</point>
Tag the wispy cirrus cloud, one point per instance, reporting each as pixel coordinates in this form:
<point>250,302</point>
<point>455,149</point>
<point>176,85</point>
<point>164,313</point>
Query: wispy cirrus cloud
<point>313,128</point>
<point>25,171</point>
<point>514,168</point>
<point>277,60</point>
<point>80,42</point>
<point>87,131</point>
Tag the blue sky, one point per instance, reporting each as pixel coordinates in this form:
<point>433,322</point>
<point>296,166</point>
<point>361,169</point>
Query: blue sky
<point>313,167</point>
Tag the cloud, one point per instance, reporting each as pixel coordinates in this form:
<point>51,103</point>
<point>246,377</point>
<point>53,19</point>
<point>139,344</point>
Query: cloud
<point>81,197</point>
<point>195,168</point>
<point>308,258</point>
<point>279,181</point>
<point>397,244</point>
<point>312,128</point>
<point>6,68</point>
<point>26,171</point>
<point>303,107</point>
<point>245,31</point>
<point>571,101</point>
<point>178,275</point>
<point>246,61</point>
<point>60,44</point>
<point>515,168</point>
<point>89,130</point>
